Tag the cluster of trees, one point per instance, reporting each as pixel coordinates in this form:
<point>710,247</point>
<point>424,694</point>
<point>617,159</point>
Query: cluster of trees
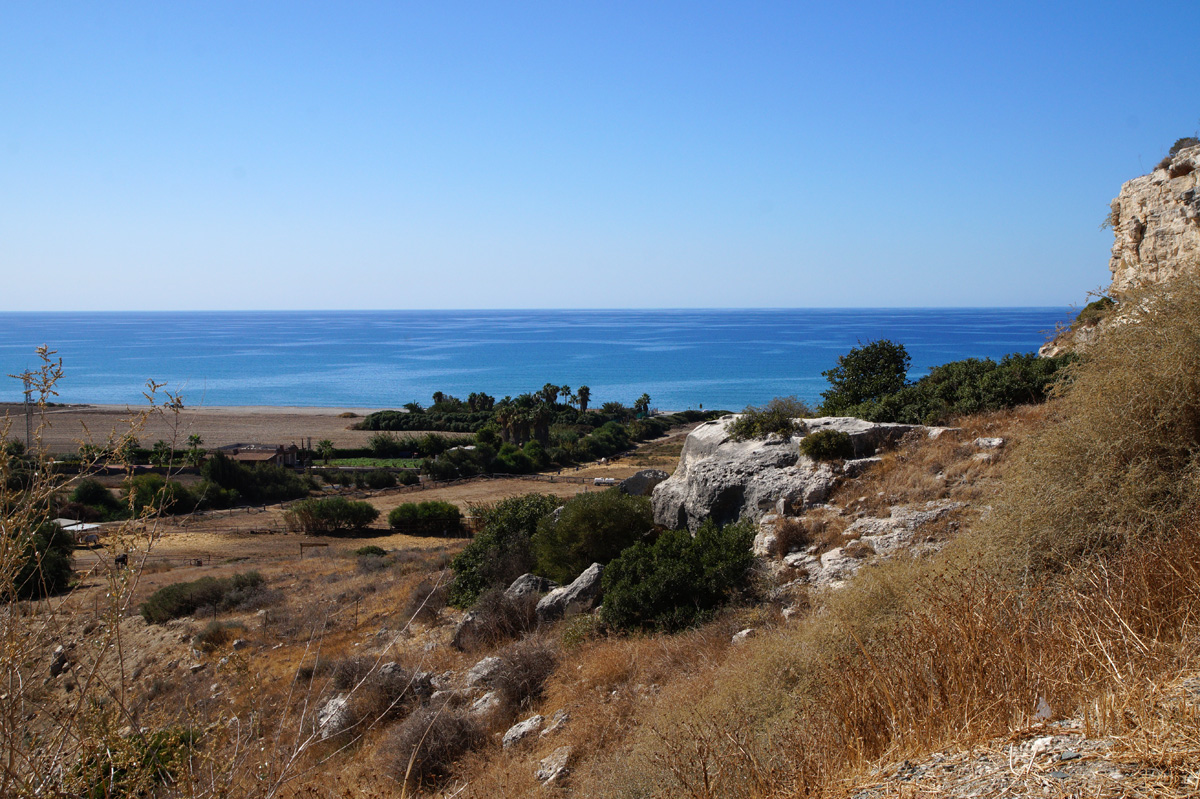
<point>655,579</point>
<point>871,382</point>
<point>426,518</point>
<point>330,516</point>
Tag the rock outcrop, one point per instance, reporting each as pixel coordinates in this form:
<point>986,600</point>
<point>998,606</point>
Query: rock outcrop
<point>1156,224</point>
<point>579,597</point>
<point>641,484</point>
<point>728,480</point>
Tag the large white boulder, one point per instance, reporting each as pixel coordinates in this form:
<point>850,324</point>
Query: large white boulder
<point>728,480</point>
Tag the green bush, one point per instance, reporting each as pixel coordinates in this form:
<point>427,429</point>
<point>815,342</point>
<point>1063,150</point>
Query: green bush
<point>371,551</point>
<point>134,765</point>
<point>329,515</point>
<point>827,445</point>
<point>1093,312</point>
<point>864,374</point>
<point>181,599</point>
<point>255,484</point>
<point>426,518</point>
<point>777,416</point>
<point>45,562</point>
<point>679,580</point>
<point>90,491</point>
<point>501,552</point>
<point>591,528</point>
<point>153,492</point>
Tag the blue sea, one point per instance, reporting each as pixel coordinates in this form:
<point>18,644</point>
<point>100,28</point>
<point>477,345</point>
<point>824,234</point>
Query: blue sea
<point>382,359</point>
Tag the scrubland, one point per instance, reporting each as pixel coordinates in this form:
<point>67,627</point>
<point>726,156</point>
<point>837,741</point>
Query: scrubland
<point>1063,593</point>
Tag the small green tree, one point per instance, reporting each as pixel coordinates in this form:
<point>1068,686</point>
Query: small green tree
<point>502,552</point>
<point>325,450</point>
<point>591,528</point>
<point>865,374</point>
<point>679,580</point>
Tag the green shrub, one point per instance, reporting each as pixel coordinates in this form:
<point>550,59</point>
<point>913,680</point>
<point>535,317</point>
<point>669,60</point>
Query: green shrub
<point>181,599</point>
<point>591,528</point>
<point>90,491</point>
<point>371,551</point>
<point>380,478</point>
<point>329,516</point>
<point>1093,312</point>
<point>255,484</point>
<point>827,445</point>
<point>777,416</point>
<point>865,373</point>
<point>501,552</point>
<point>133,765</point>
<point>45,562</point>
<point>152,492</point>
<point>426,518</point>
<point>679,580</point>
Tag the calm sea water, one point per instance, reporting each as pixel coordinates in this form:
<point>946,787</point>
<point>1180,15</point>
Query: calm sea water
<point>682,358</point>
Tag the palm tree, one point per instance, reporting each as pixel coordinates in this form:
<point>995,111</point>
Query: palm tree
<point>584,394</point>
<point>642,405</point>
<point>549,393</point>
<point>194,453</point>
<point>325,450</point>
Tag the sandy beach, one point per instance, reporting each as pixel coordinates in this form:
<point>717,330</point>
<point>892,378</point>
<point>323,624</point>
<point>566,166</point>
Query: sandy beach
<point>67,426</point>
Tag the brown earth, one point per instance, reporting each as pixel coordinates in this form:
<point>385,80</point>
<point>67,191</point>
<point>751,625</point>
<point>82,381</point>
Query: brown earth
<point>68,426</point>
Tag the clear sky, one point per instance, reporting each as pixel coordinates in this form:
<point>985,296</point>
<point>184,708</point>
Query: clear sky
<point>234,155</point>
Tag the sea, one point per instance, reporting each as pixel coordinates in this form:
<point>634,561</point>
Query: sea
<point>683,358</point>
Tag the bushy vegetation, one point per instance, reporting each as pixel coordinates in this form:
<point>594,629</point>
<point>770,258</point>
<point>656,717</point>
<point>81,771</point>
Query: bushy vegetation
<point>865,374</point>
<point>869,384</point>
<point>133,765</point>
<point>1093,312</point>
<point>590,528</point>
<point>258,484</point>
<point>678,580</point>
<point>44,562</point>
<point>426,518</point>
<point>182,599</point>
<point>330,516</point>
<point>1122,460</point>
<point>827,445</point>
<point>502,551</point>
<point>779,417</point>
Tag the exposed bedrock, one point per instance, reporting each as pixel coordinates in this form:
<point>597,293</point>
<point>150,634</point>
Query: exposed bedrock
<point>728,480</point>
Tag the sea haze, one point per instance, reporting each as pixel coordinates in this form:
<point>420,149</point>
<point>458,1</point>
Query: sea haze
<point>681,358</point>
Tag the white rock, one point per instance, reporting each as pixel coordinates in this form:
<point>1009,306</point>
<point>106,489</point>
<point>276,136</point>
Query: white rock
<point>485,704</point>
<point>988,443</point>
<point>521,730</point>
<point>579,597</point>
<point>742,636</point>
<point>483,671</point>
<point>554,767</point>
<point>331,718</point>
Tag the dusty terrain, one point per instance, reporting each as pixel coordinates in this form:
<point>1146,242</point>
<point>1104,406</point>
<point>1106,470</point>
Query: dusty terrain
<point>69,425</point>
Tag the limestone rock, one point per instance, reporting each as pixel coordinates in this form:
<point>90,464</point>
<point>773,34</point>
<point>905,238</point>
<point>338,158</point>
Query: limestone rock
<point>557,722</point>
<point>729,480</point>
<point>743,636</point>
<point>579,597</point>
<point>641,484</point>
<point>484,671</point>
<point>988,443</point>
<point>485,704</point>
<point>333,715</point>
<point>554,767</point>
<point>58,661</point>
<point>522,730</point>
<point>529,585</point>
<point>1156,224</point>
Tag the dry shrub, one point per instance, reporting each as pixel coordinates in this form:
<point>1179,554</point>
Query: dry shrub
<point>498,618</point>
<point>1120,460</point>
<point>790,535</point>
<point>425,745</point>
<point>911,657</point>
<point>524,668</point>
<point>426,601</point>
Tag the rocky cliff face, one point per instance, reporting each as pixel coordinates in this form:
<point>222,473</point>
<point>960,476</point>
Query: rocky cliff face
<point>1156,224</point>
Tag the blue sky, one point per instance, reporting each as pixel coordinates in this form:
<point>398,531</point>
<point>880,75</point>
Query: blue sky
<point>224,155</point>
